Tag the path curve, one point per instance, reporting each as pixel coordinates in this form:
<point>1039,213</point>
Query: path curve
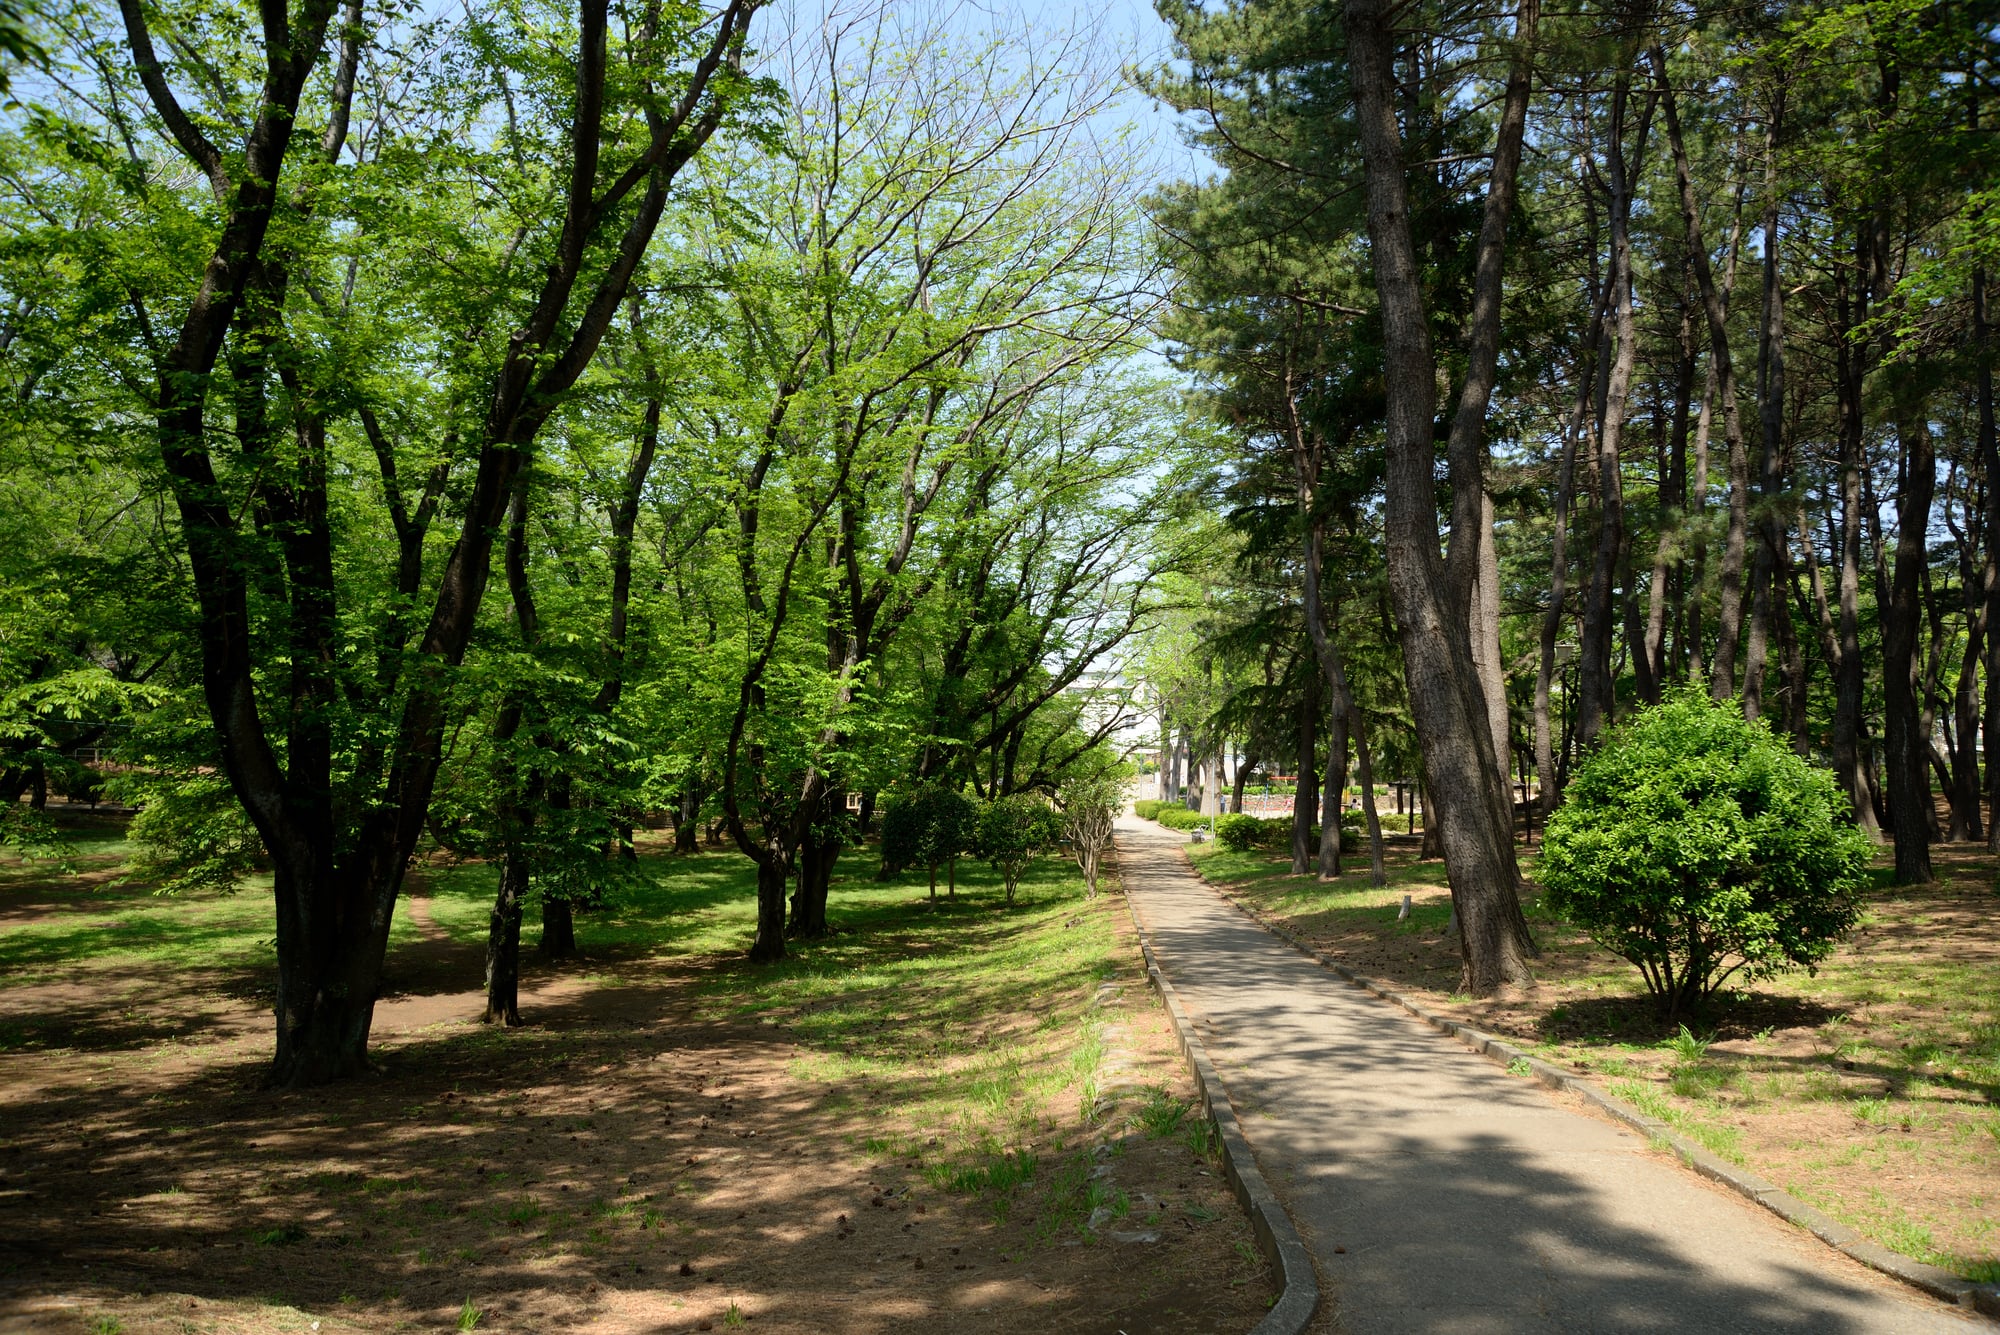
<point>1440,1195</point>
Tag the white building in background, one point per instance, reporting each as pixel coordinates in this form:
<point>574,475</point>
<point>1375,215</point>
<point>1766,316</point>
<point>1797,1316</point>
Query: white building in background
<point>1108,703</point>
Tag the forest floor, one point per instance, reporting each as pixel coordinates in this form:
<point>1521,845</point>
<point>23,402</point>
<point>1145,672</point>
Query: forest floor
<point>1870,1089</point>
<point>943,1117</point>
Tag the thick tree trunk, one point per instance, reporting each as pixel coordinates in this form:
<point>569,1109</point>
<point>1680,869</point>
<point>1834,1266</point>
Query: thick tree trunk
<point>768,947</point>
<point>1466,785</point>
<point>1908,748</point>
<point>558,929</point>
<point>814,877</point>
<point>328,975</point>
<point>503,941</point>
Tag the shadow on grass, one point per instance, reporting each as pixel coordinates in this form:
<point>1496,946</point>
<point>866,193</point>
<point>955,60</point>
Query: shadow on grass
<point>607,1132</point>
<point>1634,1018</point>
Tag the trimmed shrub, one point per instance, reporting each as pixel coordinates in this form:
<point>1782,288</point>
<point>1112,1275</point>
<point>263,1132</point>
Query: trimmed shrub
<point>1147,809</point>
<point>1180,818</point>
<point>929,826</point>
<point>1013,832</point>
<point>1238,833</point>
<point>1697,846</point>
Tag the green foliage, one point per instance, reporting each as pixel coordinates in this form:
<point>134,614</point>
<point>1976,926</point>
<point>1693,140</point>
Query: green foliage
<point>1697,846</point>
<point>190,833</point>
<point>1177,817</point>
<point>1013,832</point>
<point>1161,1115</point>
<point>1090,802</point>
<point>928,826</point>
<point>1238,833</point>
<point>1147,808</point>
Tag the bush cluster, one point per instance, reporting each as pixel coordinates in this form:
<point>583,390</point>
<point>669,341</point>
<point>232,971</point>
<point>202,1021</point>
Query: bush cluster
<point>1699,847</point>
<point>1177,817</point>
<point>1240,833</point>
<point>934,824</point>
<point>1147,809</point>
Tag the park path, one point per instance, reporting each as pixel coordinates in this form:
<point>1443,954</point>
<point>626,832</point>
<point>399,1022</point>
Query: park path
<point>1440,1195</point>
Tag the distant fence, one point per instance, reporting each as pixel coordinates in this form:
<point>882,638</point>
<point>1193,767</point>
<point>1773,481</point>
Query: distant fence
<point>1269,805</point>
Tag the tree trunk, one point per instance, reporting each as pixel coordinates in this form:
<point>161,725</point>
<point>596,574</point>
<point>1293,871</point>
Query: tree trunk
<point>769,945</point>
<point>1594,670</point>
<point>1765,602</point>
<point>1243,768</point>
<point>1989,456</point>
<point>687,818</point>
<point>1378,874</point>
<point>519,791</point>
<point>558,928</point>
<point>1432,845</point>
<point>1729,613</point>
<point>503,941</point>
<point>1306,784</point>
<point>1547,764</point>
<point>1332,782</point>
<point>1483,626</point>
<point>817,855</point>
<point>1908,749</point>
<point>1850,672</point>
<point>1467,787</point>
<point>1669,556</point>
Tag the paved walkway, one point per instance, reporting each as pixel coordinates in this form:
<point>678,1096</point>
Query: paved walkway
<point>1468,1201</point>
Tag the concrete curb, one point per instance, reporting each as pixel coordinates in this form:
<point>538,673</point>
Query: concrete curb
<point>1279,1240</point>
<point>1939,1283</point>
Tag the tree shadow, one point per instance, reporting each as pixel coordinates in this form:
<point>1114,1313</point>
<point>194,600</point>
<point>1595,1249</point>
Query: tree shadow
<point>1440,1195</point>
<point>1635,1018</point>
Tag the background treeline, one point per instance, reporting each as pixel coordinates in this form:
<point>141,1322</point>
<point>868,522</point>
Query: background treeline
<point>1577,356</point>
<point>487,429</point>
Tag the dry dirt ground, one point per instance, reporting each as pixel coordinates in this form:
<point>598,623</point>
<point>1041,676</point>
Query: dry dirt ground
<point>1871,1089</point>
<point>621,1165</point>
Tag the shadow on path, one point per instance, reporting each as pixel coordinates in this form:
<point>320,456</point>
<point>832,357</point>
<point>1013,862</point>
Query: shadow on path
<point>1441,1195</point>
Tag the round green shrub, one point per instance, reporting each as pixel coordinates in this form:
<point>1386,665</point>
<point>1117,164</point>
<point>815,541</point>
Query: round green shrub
<point>1697,846</point>
<point>1238,833</point>
<point>1180,818</point>
<point>1147,808</point>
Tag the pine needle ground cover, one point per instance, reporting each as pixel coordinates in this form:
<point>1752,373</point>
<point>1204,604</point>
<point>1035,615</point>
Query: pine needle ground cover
<point>1870,1089</point>
<point>938,1115</point>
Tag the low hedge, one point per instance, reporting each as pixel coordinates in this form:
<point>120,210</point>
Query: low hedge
<point>1242,833</point>
<point>1180,818</point>
<point>1147,809</point>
